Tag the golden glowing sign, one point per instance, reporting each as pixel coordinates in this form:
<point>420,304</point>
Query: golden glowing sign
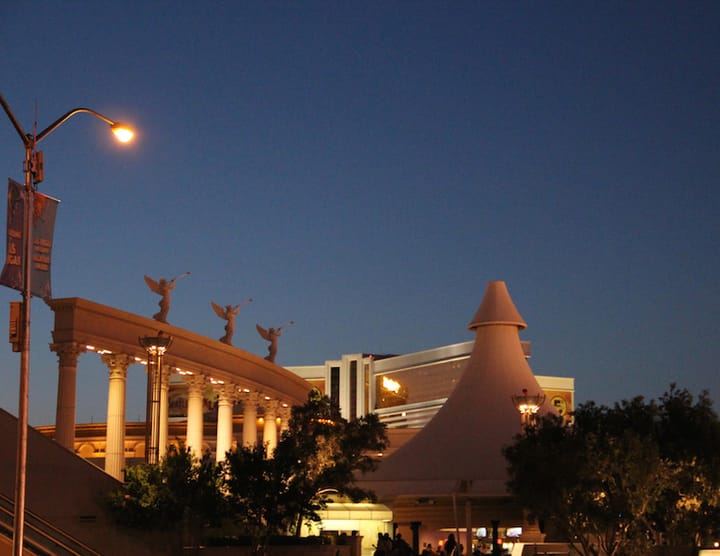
<point>391,385</point>
<point>390,392</point>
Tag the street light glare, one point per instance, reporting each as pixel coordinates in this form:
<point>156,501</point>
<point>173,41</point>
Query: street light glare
<point>123,132</point>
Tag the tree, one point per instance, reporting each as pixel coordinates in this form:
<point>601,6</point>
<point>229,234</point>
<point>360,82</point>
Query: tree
<point>257,493</point>
<point>180,495</point>
<point>264,494</point>
<point>620,479</point>
<point>318,453</point>
<point>323,452</point>
<point>689,436</point>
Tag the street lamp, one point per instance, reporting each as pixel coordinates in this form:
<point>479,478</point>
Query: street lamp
<point>32,166</point>
<point>528,406</point>
<point>155,346</point>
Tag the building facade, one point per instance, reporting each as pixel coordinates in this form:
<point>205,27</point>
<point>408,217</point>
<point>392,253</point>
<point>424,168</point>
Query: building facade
<point>407,390</point>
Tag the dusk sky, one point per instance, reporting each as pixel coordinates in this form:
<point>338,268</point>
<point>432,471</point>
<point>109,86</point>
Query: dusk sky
<point>365,168</point>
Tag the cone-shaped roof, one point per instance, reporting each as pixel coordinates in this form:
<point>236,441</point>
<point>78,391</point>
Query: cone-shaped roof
<point>460,449</point>
<point>497,308</point>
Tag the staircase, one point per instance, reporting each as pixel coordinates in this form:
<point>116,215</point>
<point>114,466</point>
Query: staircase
<point>66,513</point>
<point>41,538</point>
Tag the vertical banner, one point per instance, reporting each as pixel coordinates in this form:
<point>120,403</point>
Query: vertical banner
<point>44,210</point>
<point>43,228</point>
<point>12,273</point>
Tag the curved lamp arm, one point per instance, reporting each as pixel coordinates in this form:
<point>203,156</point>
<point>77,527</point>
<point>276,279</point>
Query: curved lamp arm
<point>14,121</point>
<point>123,132</point>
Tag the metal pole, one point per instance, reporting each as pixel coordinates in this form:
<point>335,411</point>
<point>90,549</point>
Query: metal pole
<point>153,447</point>
<point>29,143</point>
<point>148,406</point>
<point>497,547</point>
<point>23,399</point>
<point>157,388</point>
<point>155,348</point>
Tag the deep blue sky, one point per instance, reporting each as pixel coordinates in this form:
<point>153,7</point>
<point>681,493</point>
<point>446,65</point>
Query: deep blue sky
<point>365,168</point>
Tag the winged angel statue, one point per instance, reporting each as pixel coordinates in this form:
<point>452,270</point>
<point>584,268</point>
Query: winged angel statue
<point>272,335</point>
<point>228,313</point>
<point>162,287</point>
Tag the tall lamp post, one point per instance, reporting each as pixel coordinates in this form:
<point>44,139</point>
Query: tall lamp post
<point>32,166</point>
<point>155,346</point>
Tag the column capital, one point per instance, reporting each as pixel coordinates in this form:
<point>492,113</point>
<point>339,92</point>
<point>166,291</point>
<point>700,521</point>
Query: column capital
<point>284,411</point>
<point>117,360</point>
<point>250,398</point>
<point>67,352</point>
<point>195,382</point>
<point>227,392</point>
<point>271,407</point>
<point>117,364</point>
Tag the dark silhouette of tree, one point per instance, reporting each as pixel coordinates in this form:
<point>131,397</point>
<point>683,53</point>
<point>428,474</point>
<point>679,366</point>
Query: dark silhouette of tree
<point>689,436</point>
<point>257,494</point>
<point>618,480</point>
<point>180,495</point>
<point>263,494</point>
<point>319,453</point>
<point>323,452</point>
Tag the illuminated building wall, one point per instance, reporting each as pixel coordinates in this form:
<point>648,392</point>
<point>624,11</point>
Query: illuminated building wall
<point>407,390</point>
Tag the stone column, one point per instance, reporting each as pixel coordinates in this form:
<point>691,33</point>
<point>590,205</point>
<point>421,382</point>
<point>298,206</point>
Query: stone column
<point>164,410</point>
<point>194,436</point>
<point>284,413</point>
<point>250,403</point>
<point>227,394</point>
<point>66,393</point>
<point>270,428</point>
<point>117,364</point>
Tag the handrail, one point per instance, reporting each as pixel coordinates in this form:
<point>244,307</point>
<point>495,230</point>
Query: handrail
<point>45,538</point>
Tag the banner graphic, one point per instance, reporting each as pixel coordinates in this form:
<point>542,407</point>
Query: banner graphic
<point>43,228</point>
<point>12,273</point>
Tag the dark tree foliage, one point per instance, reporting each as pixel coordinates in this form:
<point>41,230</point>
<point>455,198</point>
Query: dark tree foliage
<point>257,493</point>
<point>689,437</point>
<point>320,452</point>
<point>618,480</point>
<point>262,494</point>
<point>181,495</point>
<point>327,450</point>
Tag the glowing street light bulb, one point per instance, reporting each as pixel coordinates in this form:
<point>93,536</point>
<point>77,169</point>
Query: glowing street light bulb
<point>528,406</point>
<point>123,132</point>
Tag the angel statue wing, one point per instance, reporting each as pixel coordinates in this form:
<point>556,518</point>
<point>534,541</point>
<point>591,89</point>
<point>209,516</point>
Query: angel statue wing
<point>264,333</point>
<point>219,311</point>
<point>153,285</point>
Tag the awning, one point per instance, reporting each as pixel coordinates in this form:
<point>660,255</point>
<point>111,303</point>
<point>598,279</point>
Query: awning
<point>363,511</point>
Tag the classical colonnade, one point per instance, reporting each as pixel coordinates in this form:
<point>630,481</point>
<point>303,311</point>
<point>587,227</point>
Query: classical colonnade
<point>232,374</point>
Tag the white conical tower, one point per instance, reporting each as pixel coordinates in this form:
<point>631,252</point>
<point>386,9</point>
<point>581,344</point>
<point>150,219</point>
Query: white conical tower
<point>460,449</point>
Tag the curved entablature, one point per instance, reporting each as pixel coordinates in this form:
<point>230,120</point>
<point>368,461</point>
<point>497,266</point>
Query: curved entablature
<point>86,323</point>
